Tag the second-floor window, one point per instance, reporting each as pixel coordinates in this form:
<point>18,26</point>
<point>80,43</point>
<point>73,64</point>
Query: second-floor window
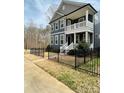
<point>68,22</point>
<point>90,18</point>
<point>52,27</point>
<point>82,19</point>
<point>62,23</point>
<point>56,25</point>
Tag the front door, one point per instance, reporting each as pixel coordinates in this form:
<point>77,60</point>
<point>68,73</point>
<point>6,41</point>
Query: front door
<point>69,39</point>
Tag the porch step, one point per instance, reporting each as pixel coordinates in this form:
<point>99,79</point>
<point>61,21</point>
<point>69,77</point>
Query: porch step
<point>66,48</point>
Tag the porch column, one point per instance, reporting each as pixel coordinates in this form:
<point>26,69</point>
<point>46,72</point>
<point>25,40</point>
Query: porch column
<point>86,36</point>
<point>65,39</point>
<point>86,17</point>
<point>74,38</point>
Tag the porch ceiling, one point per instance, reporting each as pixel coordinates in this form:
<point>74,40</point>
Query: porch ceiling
<point>79,13</point>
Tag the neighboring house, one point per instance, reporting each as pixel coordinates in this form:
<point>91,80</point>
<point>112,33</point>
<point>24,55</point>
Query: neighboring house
<point>71,23</point>
<point>97,30</point>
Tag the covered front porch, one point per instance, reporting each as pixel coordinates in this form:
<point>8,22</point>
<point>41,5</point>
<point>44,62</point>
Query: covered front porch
<point>78,37</point>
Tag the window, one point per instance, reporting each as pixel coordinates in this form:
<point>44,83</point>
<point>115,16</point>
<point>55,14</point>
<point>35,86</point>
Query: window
<point>56,40</point>
<point>62,23</point>
<point>91,38</point>
<point>81,19</point>
<point>90,18</point>
<point>61,39</point>
<point>52,27</point>
<point>68,22</point>
<point>83,37</point>
<point>57,25</point>
<point>52,40</point>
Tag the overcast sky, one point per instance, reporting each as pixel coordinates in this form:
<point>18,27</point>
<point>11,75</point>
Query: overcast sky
<point>36,10</point>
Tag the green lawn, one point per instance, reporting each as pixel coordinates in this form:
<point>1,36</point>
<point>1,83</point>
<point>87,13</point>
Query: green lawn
<point>80,82</point>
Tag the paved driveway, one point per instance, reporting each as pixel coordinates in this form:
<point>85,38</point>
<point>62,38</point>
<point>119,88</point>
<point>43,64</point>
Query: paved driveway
<point>37,80</point>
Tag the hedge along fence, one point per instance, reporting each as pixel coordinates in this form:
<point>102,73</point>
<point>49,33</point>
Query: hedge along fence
<point>88,60</point>
<point>37,51</point>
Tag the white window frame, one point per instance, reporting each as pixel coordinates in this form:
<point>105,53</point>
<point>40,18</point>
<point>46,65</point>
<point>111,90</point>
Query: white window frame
<point>57,24</point>
<point>52,39</point>
<point>80,20</point>
<point>62,21</point>
<point>52,27</point>
<point>68,22</point>
<point>56,38</point>
<point>61,39</point>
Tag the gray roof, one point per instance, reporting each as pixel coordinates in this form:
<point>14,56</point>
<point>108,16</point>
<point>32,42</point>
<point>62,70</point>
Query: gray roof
<point>74,3</point>
<point>67,11</point>
<point>73,6</point>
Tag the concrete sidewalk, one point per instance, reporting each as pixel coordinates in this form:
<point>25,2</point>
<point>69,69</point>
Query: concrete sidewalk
<point>37,80</point>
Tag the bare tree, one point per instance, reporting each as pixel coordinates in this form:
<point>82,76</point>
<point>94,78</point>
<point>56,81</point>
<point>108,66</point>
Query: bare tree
<point>35,37</point>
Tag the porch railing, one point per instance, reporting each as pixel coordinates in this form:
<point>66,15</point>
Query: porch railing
<point>76,25</point>
<point>62,48</point>
<point>79,26</point>
<point>71,46</point>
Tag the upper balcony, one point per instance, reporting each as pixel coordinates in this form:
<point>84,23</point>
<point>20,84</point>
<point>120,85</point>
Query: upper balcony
<point>79,27</point>
<point>80,21</point>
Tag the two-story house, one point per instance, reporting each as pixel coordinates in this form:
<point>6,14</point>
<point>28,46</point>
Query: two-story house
<point>71,23</point>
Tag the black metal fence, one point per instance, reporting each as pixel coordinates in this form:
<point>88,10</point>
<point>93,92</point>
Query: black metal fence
<point>53,54</point>
<point>37,51</point>
<point>88,60</point>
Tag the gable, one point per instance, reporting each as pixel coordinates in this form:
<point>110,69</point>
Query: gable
<point>67,8</point>
<point>64,9</point>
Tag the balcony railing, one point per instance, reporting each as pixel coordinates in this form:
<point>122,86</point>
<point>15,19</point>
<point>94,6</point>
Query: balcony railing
<point>79,27</point>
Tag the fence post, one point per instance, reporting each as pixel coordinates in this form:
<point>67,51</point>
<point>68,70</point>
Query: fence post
<point>58,55</point>
<point>75,59</point>
<point>43,52</point>
<point>35,51</point>
<point>30,50</point>
<point>98,55</point>
<point>38,51</point>
<point>48,52</point>
<point>84,57</point>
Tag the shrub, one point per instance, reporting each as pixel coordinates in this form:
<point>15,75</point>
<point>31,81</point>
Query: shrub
<point>83,45</point>
<point>71,52</point>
